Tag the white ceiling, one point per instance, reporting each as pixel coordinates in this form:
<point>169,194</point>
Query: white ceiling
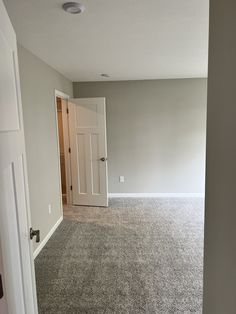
<point>128,39</point>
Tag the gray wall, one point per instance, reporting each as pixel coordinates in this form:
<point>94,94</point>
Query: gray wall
<point>38,82</point>
<point>156,133</point>
<point>220,222</point>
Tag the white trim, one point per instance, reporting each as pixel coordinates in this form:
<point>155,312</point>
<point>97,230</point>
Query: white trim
<point>61,94</point>
<point>48,236</point>
<point>161,195</point>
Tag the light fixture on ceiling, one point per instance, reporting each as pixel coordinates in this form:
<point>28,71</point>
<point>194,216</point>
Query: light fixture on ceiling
<point>73,7</point>
<point>105,75</point>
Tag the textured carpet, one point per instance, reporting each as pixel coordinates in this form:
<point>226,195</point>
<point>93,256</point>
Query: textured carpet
<point>137,256</point>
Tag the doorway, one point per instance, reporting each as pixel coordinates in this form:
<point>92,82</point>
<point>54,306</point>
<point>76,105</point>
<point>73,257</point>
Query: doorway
<point>64,162</point>
<point>82,150</point>
<point>61,150</point>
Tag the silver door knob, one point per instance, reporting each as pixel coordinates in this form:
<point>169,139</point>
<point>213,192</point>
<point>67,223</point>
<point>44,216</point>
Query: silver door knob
<point>103,159</point>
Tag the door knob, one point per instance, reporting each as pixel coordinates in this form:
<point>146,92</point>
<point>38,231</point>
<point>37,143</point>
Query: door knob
<point>103,159</point>
<point>35,233</point>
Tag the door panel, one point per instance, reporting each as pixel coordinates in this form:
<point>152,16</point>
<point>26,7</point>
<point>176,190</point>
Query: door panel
<point>81,149</point>
<point>11,248</point>
<point>96,188</point>
<point>87,125</point>
<point>16,250</point>
<point>87,115</point>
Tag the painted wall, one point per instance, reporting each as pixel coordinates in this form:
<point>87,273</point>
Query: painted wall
<point>38,82</point>
<point>156,133</point>
<point>220,222</point>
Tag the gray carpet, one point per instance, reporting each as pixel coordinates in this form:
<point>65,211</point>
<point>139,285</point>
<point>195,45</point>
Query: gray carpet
<point>137,256</point>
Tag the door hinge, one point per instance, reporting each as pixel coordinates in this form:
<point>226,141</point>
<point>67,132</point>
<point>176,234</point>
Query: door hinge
<point>71,188</point>
<point>67,110</point>
<point>69,150</point>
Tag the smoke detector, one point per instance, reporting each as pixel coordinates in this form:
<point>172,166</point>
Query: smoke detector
<point>73,7</point>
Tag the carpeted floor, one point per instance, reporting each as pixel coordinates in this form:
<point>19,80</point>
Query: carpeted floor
<point>137,256</point>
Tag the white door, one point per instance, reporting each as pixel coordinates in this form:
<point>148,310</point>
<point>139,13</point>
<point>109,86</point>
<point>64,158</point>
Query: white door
<point>16,252</point>
<point>87,128</point>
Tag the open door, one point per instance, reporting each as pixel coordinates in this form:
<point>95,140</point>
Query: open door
<point>18,293</point>
<point>87,128</point>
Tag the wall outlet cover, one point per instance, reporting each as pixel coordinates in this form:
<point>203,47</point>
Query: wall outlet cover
<point>122,179</point>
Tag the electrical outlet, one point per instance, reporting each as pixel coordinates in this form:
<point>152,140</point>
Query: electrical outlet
<point>49,209</point>
<point>122,179</point>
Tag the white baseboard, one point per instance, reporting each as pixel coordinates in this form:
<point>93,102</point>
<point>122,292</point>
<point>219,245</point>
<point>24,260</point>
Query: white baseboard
<point>162,195</point>
<point>48,236</point>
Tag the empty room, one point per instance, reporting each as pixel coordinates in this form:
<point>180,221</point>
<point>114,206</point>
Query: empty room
<point>111,157</point>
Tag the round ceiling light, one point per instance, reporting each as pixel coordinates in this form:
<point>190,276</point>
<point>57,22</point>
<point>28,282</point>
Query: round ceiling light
<point>73,7</point>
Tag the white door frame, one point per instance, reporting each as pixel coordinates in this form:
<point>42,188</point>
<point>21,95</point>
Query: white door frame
<point>66,146</point>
